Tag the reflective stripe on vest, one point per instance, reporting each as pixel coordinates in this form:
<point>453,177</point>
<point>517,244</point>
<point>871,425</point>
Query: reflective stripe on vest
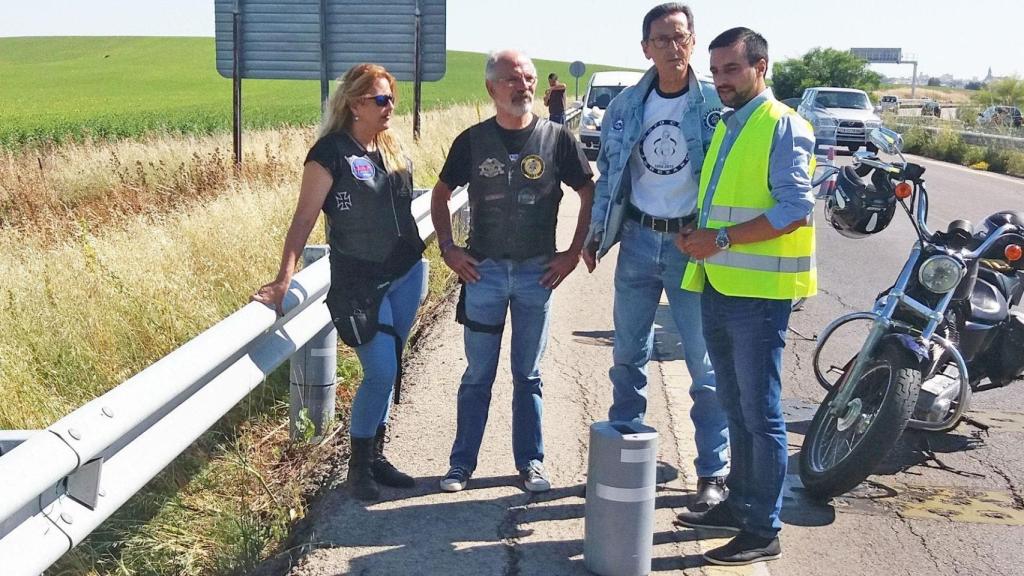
<point>780,268</point>
<point>762,263</point>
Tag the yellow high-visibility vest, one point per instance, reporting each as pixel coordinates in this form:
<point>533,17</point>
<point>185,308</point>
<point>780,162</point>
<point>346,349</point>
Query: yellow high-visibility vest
<point>782,268</point>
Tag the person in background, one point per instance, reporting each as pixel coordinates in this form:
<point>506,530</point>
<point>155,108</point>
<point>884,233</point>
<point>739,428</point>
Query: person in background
<point>359,176</point>
<point>554,99</point>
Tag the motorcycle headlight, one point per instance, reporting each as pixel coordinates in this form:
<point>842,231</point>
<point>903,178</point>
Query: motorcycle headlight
<point>940,274</point>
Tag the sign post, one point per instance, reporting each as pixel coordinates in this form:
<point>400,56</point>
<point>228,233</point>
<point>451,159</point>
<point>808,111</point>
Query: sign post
<point>321,39</point>
<point>577,69</point>
<point>887,56</point>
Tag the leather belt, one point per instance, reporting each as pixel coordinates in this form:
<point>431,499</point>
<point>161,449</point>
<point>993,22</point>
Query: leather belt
<point>669,225</point>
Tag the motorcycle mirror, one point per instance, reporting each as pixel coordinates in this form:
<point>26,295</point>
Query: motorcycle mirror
<point>888,141</point>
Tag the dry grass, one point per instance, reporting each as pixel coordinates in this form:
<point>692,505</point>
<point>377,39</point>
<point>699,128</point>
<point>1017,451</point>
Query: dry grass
<point>140,265</point>
<point>953,95</point>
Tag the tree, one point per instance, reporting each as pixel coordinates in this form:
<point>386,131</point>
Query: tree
<point>974,85</point>
<point>933,81</point>
<point>1008,91</point>
<point>822,67</point>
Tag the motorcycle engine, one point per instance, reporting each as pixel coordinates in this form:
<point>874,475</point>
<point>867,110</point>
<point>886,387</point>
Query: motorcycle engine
<point>936,398</point>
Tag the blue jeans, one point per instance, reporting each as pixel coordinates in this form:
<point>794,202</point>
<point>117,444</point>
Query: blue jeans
<point>372,403</point>
<point>557,118</point>
<point>648,264</point>
<point>746,338</point>
<point>504,285</point>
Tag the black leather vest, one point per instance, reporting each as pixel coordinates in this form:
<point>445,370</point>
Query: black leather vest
<point>513,198</point>
<point>367,208</point>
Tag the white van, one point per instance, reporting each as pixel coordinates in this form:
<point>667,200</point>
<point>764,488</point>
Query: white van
<point>603,86</point>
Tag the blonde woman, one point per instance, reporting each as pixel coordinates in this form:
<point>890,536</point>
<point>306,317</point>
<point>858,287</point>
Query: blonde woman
<point>359,176</point>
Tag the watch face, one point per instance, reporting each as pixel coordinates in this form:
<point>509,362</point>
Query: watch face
<point>722,239</point>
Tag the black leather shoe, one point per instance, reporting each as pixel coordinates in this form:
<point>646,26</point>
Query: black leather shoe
<point>710,491</point>
<point>745,548</point>
<point>719,517</point>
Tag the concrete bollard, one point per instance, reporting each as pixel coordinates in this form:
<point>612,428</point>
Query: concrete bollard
<point>314,369</point>
<point>619,520</point>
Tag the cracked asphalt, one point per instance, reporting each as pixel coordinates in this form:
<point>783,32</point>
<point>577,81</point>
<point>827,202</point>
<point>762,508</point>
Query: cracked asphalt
<point>933,507</point>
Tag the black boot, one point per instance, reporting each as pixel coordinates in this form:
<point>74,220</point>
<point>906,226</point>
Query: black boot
<point>383,471</point>
<point>360,475</point>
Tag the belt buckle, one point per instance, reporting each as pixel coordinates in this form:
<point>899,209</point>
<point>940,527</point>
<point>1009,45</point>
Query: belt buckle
<point>656,227</point>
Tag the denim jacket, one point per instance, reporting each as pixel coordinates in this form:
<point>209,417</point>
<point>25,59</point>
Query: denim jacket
<point>621,130</point>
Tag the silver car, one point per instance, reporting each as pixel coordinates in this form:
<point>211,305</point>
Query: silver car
<point>840,116</point>
<point>603,87</point>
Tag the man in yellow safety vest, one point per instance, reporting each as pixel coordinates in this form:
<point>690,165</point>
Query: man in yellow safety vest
<point>752,252</point>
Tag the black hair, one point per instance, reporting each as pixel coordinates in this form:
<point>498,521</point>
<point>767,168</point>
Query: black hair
<point>552,76</point>
<point>666,9</point>
<point>754,45</point>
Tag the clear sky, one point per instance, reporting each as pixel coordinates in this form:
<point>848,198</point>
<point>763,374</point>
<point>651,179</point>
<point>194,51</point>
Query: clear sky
<point>960,38</point>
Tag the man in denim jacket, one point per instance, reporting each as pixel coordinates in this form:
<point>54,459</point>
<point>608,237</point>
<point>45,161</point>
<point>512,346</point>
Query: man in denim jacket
<point>653,139</point>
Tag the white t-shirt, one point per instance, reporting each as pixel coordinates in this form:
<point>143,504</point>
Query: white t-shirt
<point>663,183</point>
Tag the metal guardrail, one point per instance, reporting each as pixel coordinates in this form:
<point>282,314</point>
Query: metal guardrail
<point>57,485</point>
<point>573,115</point>
<point>969,137</point>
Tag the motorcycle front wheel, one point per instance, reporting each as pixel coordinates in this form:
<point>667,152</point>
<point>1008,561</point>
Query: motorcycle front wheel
<point>840,451</point>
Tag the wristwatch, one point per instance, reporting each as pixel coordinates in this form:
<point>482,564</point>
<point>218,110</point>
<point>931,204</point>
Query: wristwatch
<point>722,239</point>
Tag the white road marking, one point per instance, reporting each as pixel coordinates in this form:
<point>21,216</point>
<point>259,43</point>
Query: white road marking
<point>1002,177</point>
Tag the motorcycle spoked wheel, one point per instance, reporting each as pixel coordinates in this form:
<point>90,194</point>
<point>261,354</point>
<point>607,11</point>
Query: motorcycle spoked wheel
<point>838,453</point>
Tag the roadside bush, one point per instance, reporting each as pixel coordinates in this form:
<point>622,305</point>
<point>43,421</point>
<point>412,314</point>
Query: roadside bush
<point>948,146</point>
<point>975,156</point>
<point>1015,166</point>
<point>999,160</point>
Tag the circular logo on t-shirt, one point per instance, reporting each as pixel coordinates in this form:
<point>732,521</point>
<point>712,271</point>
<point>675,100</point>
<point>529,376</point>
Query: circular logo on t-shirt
<point>663,148</point>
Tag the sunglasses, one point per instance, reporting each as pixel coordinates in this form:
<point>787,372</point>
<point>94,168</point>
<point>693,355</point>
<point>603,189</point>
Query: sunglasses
<point>381,100</point>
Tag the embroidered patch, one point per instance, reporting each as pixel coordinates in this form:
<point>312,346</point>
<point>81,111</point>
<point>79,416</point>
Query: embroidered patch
<point>362,168</point>
<point>491,167</point>
<point>532,166</point>
<point>343,200</point>
<point>618,125</point>
<point>712,117</point>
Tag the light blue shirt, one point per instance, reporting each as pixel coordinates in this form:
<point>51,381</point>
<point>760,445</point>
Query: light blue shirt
<point>789,163</point>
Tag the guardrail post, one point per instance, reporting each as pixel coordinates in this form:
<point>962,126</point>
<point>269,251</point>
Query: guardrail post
<point>314,369</point>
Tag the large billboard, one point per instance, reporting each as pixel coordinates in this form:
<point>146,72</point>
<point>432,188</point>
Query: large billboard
<point>281,39</point>
<point>879,55</point>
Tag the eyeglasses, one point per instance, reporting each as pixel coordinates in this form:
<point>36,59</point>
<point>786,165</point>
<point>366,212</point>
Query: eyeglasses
<point>680,40</point>
<point>514,81</point>
<point>381,100</point>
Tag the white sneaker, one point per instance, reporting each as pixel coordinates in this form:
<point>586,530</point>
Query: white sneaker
<point>456,479</point>
<point>533,477</point>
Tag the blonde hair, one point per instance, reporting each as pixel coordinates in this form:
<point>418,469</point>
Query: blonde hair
<point>338,116</point>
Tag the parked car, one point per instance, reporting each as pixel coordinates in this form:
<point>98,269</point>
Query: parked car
<point>931,108</point>
<point>793,103</point>
<point>1000,116</point>
<point>840,116</point>
<point>602,88</point>
<point>890,103</point>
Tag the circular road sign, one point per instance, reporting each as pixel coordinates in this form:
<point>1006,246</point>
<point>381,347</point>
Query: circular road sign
<point>577,69</point>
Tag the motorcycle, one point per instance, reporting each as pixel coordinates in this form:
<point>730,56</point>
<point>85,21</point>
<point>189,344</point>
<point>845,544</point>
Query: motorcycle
<point>946,329</point>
